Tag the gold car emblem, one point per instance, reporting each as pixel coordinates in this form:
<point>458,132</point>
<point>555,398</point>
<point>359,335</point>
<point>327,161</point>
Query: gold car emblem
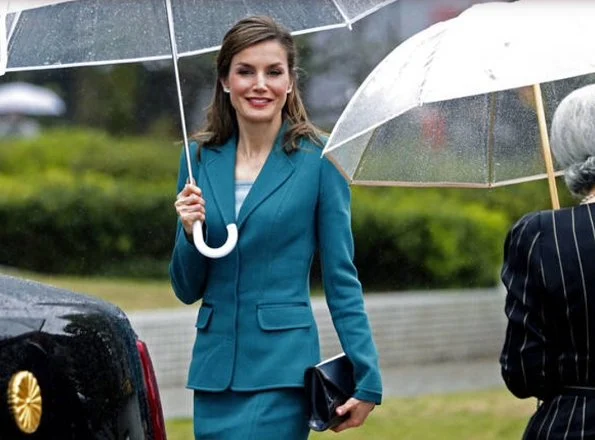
<point>24,400</point>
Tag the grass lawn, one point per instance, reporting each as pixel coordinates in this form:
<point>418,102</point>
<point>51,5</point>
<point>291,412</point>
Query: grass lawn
<point>484,415</point>
<point>128,294</point>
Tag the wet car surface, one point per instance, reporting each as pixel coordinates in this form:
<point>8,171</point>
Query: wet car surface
<point>71,367</point>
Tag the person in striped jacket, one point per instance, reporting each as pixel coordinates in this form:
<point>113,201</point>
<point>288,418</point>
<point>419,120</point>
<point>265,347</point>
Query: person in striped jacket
<point>549,275</point>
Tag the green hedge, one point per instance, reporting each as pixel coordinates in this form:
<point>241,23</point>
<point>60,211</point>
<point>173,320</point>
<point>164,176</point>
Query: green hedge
<point>81,202</point>
<point>79,152</point>
<point>64,225</point>
<point>407,241</point>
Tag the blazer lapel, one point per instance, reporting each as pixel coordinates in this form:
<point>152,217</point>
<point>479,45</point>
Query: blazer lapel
<point>276,170</point>
<point>219,170</point>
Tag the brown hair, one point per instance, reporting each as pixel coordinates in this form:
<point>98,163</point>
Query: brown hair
<point>221,120</point>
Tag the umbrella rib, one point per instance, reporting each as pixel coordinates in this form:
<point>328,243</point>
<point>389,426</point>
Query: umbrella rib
<point>360,133</point>
<point>15,21</point>
<point>343,14</point>
<point>361,156</point>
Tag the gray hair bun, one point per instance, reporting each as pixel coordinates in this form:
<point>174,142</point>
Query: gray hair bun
<point>580,177</point>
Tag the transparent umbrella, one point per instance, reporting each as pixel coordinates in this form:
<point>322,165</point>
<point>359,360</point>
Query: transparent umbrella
<point>460,103</point>
<point>45,34</point>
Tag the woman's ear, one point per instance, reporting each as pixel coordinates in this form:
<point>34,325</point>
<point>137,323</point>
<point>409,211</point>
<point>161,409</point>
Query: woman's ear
<point>224,85</point>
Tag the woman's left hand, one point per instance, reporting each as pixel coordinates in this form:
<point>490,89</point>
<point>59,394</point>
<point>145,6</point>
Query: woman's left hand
<point>358,411</point>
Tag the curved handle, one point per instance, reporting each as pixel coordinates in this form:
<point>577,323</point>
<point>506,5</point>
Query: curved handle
<point>203,248</point>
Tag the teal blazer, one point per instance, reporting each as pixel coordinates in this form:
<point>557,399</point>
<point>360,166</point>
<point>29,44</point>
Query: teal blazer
<point>255,326</point>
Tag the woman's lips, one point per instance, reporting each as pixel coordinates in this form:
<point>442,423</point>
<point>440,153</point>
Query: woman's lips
<point>259,102</point>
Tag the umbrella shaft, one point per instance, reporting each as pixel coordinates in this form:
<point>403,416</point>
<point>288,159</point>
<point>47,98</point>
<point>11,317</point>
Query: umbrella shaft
<point>174,51</point>
<point>545,144</point>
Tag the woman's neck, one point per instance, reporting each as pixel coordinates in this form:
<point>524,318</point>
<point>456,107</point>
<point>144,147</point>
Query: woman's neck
<point>589,198</point>
<point>257,139</point>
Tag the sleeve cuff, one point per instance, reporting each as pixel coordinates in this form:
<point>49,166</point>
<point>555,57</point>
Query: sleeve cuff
<point>368,396</point>
<point>185,245</point>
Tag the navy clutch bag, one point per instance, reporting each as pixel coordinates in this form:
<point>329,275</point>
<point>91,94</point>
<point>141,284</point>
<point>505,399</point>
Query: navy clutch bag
<point>328,385</point>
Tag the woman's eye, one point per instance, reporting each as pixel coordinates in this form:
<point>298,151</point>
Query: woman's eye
<point>244,72</point>
<point>275,72</point>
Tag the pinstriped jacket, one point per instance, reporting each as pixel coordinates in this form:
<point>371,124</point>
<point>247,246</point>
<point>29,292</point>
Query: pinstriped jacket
<point>255,326</point>
<point>549,273</point>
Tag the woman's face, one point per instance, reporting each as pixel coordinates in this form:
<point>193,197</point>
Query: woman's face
<point>258,82</point>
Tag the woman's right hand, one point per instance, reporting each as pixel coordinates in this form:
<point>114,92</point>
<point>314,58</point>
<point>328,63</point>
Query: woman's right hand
<point>190,206</point>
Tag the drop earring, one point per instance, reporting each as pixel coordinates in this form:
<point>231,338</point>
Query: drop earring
<point>225,89</point>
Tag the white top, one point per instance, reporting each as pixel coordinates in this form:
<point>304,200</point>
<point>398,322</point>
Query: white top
<point>242,190</point>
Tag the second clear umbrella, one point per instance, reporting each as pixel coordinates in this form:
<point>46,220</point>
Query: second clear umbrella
<point>460,103</point>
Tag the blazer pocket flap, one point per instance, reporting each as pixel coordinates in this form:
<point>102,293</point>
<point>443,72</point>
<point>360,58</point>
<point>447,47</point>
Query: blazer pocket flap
<point>284,317</point>
<point>204,317</point>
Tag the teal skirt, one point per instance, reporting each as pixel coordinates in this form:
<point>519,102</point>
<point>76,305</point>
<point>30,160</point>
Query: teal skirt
<point>262,415</point>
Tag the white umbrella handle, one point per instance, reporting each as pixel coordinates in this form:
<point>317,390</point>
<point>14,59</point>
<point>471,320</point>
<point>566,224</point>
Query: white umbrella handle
<point>203,248</point>
<point>232,229</point>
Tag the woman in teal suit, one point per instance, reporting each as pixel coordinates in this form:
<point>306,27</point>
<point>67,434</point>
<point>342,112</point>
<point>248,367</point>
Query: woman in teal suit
<point>258,163</point>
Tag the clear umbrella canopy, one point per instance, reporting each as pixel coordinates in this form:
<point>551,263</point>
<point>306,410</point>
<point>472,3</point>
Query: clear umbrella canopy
<point>486,140</point>
<point>450,106</point>
<point>87,32</point>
